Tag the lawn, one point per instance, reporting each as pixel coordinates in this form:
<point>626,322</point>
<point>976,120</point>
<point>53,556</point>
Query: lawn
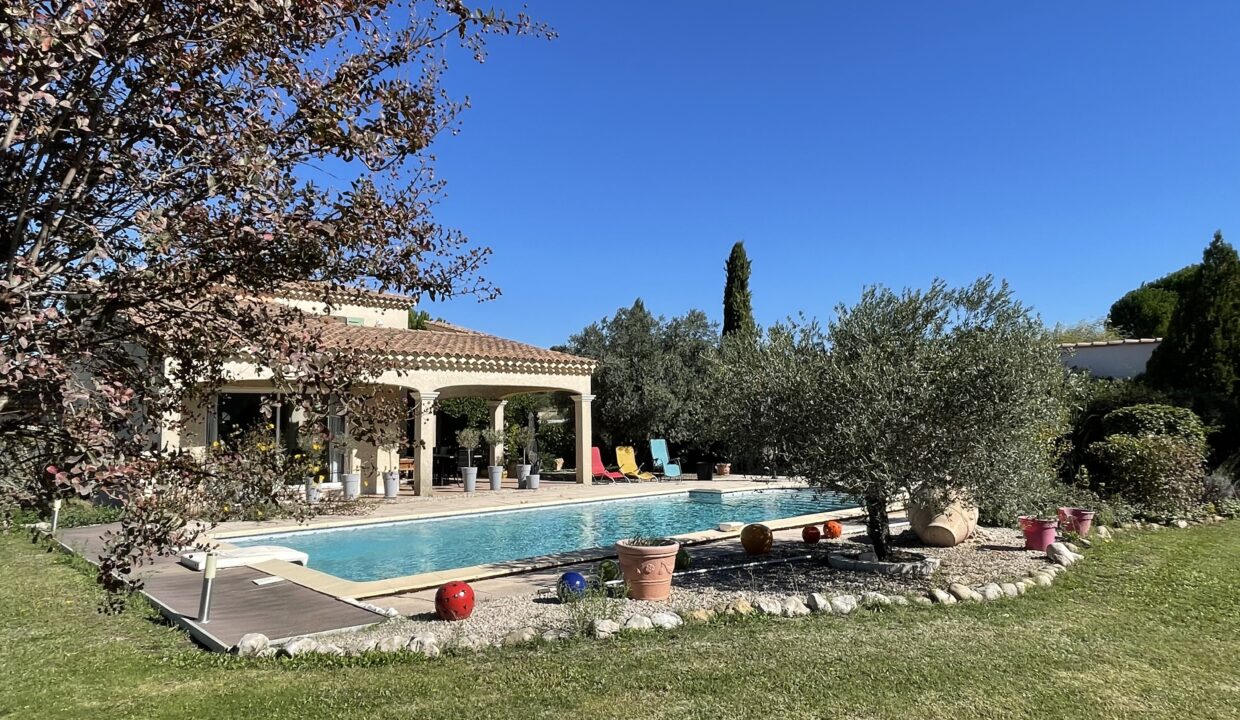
<point>1148,626</point>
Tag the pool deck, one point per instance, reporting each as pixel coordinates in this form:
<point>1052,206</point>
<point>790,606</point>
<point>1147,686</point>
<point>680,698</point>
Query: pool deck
<point>295,600</point>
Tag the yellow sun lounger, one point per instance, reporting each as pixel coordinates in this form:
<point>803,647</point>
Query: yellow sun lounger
<point>626,458</point>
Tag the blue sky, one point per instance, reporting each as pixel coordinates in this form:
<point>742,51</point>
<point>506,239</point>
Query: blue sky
<point>1074,149</point>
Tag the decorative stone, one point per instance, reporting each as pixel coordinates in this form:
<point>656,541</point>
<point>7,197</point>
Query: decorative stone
<point>769,606</point>
<point>700,615</point>
<point>666,620</point>
<point>794,606</point>
<point>1072,547</point>
<point>605,628</point>
<point>424,643</point>
<point>638,622</point>
<point>964,593</point>
<point>920,599</point>
<point>521,636</point>
<point>471,642</point>
<point>1022,585</point>
<point>329,649</point>
<point>843,604</point>
<point>990,591</point>
<point>1042,579</point>
<point>1009,589</point>
<point>1102,533</point>
<point>897,600</point>
<point>266,652</point>
<point>874,599</point>
<point>556,635</point>
<point>1062,554</point>
<point>251,644</point>
<point>942,597</point>
<point>390,644</point>
<point>740,606</point>
<point>299,646</point>
<point>1181,524</point>
<point>818,602</point>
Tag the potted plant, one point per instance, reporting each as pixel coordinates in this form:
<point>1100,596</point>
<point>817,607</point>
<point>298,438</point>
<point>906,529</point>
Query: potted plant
<point>723,468</point>
<point>647,564</point>
<point>469,439</point>
<point>494,439</point>
<point>391,484</point>
<point>531,480</point>
<point>520,436</point>
<point>1077,520</point>
<point>1039,530</point>
<point>559,464</point>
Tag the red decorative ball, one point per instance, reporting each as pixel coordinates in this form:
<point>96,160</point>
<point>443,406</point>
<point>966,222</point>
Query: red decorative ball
<point>811,534</point>
<point>454,601</point>
<point>832,529</point>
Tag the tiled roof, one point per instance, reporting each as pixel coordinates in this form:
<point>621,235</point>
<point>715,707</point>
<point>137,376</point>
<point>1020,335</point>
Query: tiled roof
<point>1105,343</point>
<point>344,294</point>
<point>448,344</point>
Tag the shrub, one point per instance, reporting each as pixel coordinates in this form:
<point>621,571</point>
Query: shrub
<point>1042,496</point>
<point>1158,473</point>
<point>1143,420</point>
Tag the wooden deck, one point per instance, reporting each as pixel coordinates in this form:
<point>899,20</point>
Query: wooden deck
<point>280,610</point>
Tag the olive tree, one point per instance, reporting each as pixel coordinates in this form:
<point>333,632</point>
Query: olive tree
<point>936,393</point>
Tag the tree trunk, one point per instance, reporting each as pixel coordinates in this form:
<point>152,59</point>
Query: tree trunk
<point>878,525</point>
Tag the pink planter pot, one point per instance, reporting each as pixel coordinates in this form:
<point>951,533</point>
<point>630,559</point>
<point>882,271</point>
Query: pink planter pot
<point>1077,520</point>
<point>1039,533</point>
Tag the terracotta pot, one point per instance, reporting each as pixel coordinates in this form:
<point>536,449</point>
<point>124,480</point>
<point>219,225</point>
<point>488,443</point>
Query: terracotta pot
<point>1039,532</point>
<point>559,464</point>
<point>942,528</point>
<point>723,468</point>
<point>647,569</point>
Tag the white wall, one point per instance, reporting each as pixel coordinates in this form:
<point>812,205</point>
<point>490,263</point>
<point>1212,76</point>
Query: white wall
<point>1126,360</point>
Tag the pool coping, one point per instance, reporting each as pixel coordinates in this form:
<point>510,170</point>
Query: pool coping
<point>356,590</point>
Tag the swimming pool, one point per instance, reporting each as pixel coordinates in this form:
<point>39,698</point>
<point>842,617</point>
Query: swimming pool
<point>384,550</point>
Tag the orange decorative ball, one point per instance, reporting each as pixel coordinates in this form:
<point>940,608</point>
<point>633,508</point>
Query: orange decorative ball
<point>757,539</point>
<point>832,529</point>
<point>811,534</point>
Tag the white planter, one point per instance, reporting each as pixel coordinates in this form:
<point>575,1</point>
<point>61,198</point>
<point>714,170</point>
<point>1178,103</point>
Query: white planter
<point>391,484</point>
<point>352,486</point>
<point>497,476</point>
<point>312,491</point>
<point>470,476</point>
<point>531,481</point>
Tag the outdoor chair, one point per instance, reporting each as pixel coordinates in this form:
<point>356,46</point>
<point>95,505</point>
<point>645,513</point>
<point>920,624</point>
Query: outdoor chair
<point>626,458</point>
<point>666,467</point>
<point>600,472</point>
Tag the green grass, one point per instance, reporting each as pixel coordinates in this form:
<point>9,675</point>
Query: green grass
<point>1148,626</point>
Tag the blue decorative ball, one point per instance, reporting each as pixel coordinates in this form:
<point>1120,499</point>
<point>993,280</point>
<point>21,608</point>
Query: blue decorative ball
<point>572,586</point>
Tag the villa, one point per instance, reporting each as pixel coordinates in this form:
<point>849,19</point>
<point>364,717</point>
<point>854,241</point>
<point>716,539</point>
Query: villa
<point>423,365</point>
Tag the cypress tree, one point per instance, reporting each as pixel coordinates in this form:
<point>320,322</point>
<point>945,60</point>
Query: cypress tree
<point>1201,352</point>
<point>737,302</point>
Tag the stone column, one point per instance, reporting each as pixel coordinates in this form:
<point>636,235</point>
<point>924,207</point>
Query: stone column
<point>497,424</point>
<point>581,409</point>
<point>424,442</point>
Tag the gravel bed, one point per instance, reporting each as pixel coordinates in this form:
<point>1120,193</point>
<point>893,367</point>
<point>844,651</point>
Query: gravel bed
<point>993,554</point>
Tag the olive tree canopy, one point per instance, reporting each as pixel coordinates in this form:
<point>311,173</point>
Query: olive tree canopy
<point>947,391</point>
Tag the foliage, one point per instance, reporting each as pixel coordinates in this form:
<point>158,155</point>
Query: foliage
<point>467,411</point>
<point>493,438</point>
<point>74,512</point>
<point>1083,331</point>
<point>1159,474</point>
<point>1145,419</point>
<point>519,436</point>
<point>650,376</point>
<point>1147,310</point>
<point>929,392</point>
<point>1201,351</point>
<point>1041,496</point>
<point>647,541</point>
<point>418,319</point>
<point>737,300</point>
<point>1143,313</point>
<point>159,180</point>
<point>556,440</point>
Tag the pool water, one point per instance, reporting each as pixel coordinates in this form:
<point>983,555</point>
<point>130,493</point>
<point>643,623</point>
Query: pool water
<point>383,550</point>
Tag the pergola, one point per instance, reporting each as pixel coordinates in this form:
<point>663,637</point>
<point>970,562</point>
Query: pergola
<point>445,361</point>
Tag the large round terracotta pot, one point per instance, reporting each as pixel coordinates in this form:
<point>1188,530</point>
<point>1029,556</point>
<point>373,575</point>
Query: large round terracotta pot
<point>647,569</point>
<point>947,527</point>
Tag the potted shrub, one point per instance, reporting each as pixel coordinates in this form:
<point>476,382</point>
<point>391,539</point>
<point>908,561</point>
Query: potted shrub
<point>494,439</point>
<point>531,480</point>
<point>469,439</point>
<point>1039,530</point>
<point>647,564</point>
<point>520,436</point>
<point>1077,520</point>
